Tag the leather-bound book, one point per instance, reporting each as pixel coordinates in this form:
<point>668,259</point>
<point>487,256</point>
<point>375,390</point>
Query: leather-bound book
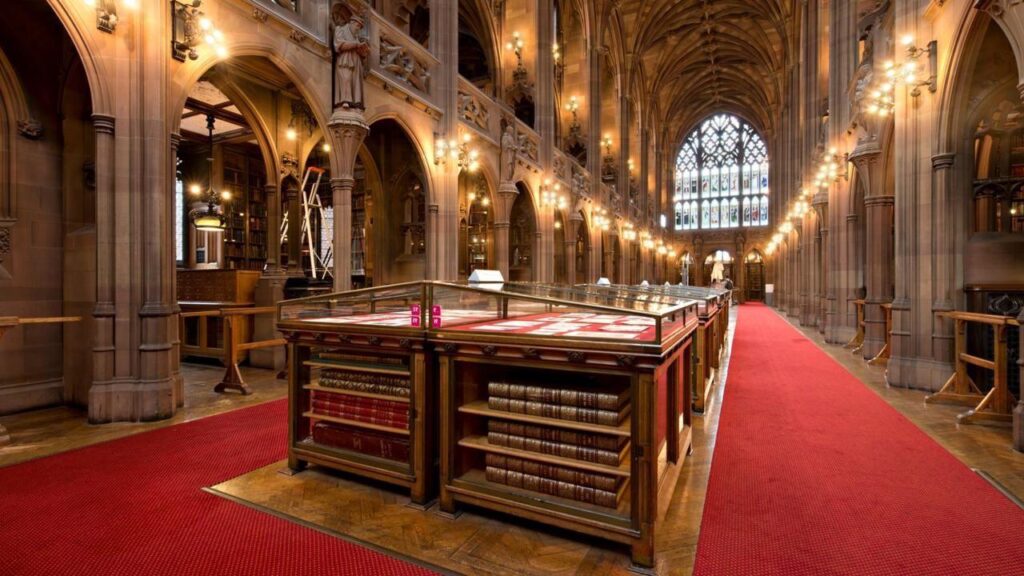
<point>560,435</point>
<point>573,413</point>
<point>560,473</point>
<point>363,441</point>
<point>608,399</point>
<point>606,457</point>
<point>552,487</point>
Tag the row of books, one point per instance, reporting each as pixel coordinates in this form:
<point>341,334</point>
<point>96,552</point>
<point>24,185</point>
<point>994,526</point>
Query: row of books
<point>609,407</point>
<point>370,410</point>
<point>553,487</point>
<point>552,404</point>
<point>383,384</point>
<point>369,442</point>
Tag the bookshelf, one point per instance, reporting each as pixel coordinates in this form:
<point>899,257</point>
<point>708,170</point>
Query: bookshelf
<point>245,238</point>
<point>361,395</point>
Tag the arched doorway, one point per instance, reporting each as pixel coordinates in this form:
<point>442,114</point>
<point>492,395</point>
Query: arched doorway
<point>754,263</point>
<point>476,225</point>
<point>522,237</point>
<point>389,203</point>
<point>48,210</point>
<point>477,49</point>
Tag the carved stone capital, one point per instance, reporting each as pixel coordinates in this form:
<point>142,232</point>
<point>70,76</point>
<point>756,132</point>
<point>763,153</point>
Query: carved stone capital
<point>943,161</point>
<point>104,124</point>
<point>348,129</point>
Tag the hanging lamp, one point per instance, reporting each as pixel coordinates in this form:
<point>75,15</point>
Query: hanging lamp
<point>210,218</point>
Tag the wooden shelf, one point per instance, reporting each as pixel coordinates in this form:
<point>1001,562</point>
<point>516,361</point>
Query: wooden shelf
<point>344,392</point>
<point>477,479</point>
<point>481,443</point>
<point>356,423</point>
<point>480,408</point>
<point>376,369</point>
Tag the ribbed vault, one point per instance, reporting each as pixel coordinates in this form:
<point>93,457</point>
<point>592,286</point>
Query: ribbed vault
<point>689,58</point>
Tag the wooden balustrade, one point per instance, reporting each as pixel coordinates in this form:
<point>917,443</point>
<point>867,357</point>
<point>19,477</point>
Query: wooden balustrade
<point>882,358</point>
<point>997,404</point>
<point>8,323</point>
<point>857,342</point>
<point>234,345</point>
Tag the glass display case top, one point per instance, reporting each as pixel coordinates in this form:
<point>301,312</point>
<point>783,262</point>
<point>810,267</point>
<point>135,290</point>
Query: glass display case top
<point>395,307</point>
<point>532,310</point>
<point>710,299</point>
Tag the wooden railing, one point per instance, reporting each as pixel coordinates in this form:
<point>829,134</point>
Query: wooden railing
<point>8,323</point>
<point>997,404</point>
<point>234,346</point>
<point>236,331</point>
<point>882,358</point>
<point>857,342</point>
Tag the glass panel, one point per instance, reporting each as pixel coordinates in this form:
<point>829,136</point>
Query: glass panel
<point>398,306</point>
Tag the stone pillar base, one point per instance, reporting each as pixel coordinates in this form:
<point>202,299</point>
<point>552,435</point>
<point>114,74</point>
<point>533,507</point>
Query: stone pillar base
<point>131,401</point>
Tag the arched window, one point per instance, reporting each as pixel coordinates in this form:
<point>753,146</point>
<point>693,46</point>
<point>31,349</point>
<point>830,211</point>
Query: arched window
<point>723,158</point>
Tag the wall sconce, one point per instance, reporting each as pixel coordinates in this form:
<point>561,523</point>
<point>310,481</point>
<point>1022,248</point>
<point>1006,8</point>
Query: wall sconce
<point>188,27</point>
<point>829,169</point>
<point>516,46</point>
<point>909,72</point>
<point>601,220</point>
<point>556,56</point>
<point>457,152</point>
<point>558,224</point>
<point>573,107</point>
<point>672,253</point>
<point>606,143</point>
<point>882,100</point>
<point>106,13</point>
<point>550,195</point>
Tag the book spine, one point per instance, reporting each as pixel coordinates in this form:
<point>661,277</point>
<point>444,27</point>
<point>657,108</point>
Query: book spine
<point>551,487</point>
<point>369,388</point>
<point>357,402</point>
<point>606,457</point>
<point>389,420</point>
<point>573,413</point>
<point>339,357</point>
<point>364,378</point>
<point>390,447</point>
<point>560,473</point>
<point>599,441</point>
<point>564,397</point>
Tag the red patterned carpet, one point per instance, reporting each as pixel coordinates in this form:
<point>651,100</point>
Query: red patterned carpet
<point>134,506</point>
<point>813,473</point>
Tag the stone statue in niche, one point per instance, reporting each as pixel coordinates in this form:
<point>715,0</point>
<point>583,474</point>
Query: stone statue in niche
<point>350,49</point>
<point>509,148</point>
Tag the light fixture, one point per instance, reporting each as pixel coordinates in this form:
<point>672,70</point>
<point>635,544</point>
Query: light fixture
<point>189,27</point>
<point>326,147</point>
<point>910,71</point>
<point>606,143</point>
<point>516,46</point>
<point>456,152</point>
<point>291,134</point>
<point>209,218</point>
<point>573,107</point>
<point>558,224</point>
<point>550,195</point>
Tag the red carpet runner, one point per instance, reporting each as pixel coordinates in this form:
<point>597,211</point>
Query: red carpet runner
<point>813,473</point>
<point>134,506</point>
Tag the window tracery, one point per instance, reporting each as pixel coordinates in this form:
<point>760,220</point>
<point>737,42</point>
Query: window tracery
<point>721,176</point>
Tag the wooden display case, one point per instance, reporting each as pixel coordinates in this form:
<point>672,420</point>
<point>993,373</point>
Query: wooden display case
<point>713,311</point>
<point>361,395</point>
<point>601,424</point>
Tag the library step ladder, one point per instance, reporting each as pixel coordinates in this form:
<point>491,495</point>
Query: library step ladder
<point>321,261</point>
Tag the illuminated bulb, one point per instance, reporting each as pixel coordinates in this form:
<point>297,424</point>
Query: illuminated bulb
<point>472,196</point>
<point>131,4</point>
<point>222,52</point>
<point>204,23</point>
<point>225,195</point>
<point>558,225</point>
<point>89,3</point>
<point>291,134</point>
<point>195,190</point>
<point>217,35</point>
<point>907,40</point>
<point>326,147</point>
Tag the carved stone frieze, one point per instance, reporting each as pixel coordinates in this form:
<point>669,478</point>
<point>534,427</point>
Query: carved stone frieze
<point>30,128</point>
<point>397,61</point>
<point>472,110</point>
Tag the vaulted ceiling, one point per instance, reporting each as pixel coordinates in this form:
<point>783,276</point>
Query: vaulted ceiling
<point>689,58</point>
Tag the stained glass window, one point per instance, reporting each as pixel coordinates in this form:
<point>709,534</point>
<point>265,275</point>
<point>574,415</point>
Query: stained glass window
<point>723,158</point>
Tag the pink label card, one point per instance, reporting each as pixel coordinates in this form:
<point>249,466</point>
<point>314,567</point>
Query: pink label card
<point>435,310</point>
<point>435,321</point>
<point>414,321</point>
<point>415,310</point>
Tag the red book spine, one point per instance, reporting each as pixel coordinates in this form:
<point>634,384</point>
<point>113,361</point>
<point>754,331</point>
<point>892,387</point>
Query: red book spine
<point>362,441</point>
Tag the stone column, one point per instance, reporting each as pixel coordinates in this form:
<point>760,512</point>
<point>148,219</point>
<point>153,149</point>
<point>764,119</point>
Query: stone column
<point>575,220</point>
<point>291,195</point>
<point>822,296</point>
<point>878,208</point>
<point>507,193</point>
<point>104,361</point>
<point>348,130</point>
<point>607,256</point>
<point>273,229</point>
<point>945,212</point>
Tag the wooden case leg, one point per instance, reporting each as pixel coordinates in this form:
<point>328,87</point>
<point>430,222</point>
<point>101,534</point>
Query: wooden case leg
<point>642,555</point>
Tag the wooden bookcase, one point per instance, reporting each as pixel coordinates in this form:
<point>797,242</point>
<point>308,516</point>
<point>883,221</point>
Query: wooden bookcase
<point>656,433</point>
<point>321,341</point>
<point>245,238</point>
